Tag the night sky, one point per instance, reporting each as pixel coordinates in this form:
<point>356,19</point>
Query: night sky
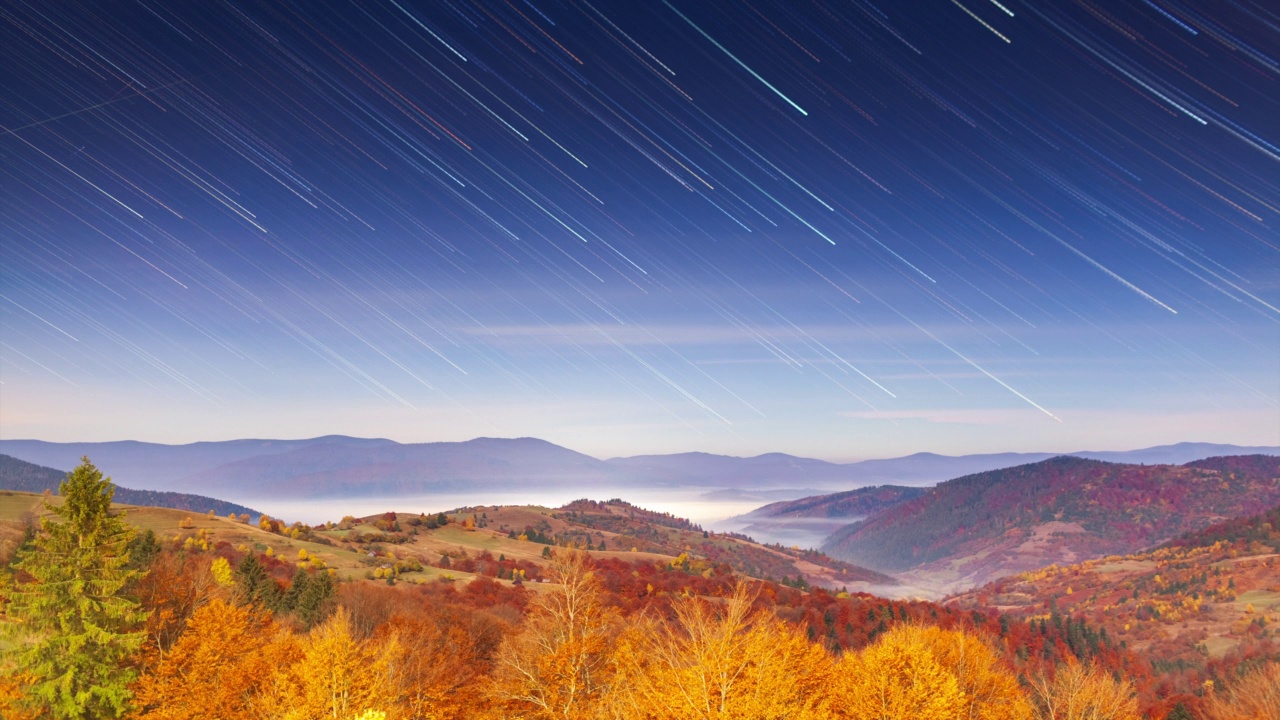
<point>841,230</point>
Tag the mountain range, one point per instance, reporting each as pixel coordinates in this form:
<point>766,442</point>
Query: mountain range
<point>338,466</point>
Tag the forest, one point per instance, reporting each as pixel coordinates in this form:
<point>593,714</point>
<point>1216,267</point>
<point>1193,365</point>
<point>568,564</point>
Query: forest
<point>1116,507</point>
<point>101,619</point>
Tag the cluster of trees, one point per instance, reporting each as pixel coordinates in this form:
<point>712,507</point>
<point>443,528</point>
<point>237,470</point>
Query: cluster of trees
<point>606,515</point>
<point>647,531</point>
<point>1262,529</point>
<point>105,623</point>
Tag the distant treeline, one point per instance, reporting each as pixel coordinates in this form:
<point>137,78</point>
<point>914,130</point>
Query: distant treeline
<point>23,476</point>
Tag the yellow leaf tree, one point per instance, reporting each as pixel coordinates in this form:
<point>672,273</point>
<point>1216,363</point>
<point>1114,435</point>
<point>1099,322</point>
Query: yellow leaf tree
<point>990,691</point>
<point>897,678</point>
<point>342,676</point>
<point>718,660</point>
<point>1078,692</point>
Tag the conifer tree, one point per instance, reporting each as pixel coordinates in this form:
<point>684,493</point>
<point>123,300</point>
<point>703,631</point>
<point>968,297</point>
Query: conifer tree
<point>297,586</point>
<point>314,602</point>
<point>77,626</point>
<point>252,580</point>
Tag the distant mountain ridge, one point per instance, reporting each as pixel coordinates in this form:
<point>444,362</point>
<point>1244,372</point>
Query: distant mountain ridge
<point>23,476</point>
<point>339,466</point>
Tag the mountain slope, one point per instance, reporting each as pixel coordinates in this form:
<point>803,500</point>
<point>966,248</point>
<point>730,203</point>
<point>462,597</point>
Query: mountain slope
<point>975,528</point>
<point>851,504</point>
<point>628,526</point>
<point>1186,604</point>
<point>16,474</point>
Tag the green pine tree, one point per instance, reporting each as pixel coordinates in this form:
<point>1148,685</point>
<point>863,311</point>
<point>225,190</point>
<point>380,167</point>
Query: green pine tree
<point>76,627</point>
<point>143,550</point>
<point>252,581</point>
<point>313,605</point>
<point>297,587</point>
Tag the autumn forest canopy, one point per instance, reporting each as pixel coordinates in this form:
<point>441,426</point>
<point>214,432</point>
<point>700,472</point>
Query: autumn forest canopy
<point>210,617</point>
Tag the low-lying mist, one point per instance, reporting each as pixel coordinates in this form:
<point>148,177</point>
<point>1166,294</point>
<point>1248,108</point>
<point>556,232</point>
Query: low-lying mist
<point>712,513</point>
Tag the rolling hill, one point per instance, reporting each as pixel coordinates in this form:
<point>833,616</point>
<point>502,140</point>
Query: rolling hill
<point>473,537</point>
<point>1205,598</point>
<point>1064,510</point>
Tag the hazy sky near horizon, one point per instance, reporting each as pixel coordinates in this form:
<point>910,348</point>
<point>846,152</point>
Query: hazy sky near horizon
<point>840,230</point>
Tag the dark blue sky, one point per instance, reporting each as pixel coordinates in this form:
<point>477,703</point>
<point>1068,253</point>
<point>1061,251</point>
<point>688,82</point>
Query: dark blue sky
<point>835,229</point>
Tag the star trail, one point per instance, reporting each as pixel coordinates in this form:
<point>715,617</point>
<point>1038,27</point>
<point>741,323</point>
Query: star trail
<point>836,229</point>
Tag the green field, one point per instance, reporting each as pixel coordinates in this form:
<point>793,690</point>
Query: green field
<point>1260,599</point>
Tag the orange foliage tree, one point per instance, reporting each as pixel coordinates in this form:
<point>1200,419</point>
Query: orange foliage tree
<point>219,664</point>
<point>12,687</point>
<point>437,677</point>
<point>175,587</point>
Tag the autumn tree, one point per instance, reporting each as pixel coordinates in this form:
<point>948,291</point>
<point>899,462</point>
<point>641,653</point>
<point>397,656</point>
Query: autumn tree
<point>219,663</point>
<point>990,691</point>
<point>720,660</point>
<point>78,627</point>
<point>558,666</point>
<point>13,684</point>
<point>342,676</point>
<point>176,585</point>
<point>1256,696</point>
<point>1079,692</point>
<point>437,677</point>
<point>897,678</point>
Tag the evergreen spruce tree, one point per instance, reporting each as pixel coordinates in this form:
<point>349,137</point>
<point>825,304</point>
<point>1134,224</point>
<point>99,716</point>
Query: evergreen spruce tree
<point>76,627</point>
<point>289,600</point>
<point>144,549</point>
<point>252,581</point>
<point>313,605</point>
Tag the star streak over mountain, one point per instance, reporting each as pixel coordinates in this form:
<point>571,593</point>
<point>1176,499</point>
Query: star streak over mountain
<point>836,230</point>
